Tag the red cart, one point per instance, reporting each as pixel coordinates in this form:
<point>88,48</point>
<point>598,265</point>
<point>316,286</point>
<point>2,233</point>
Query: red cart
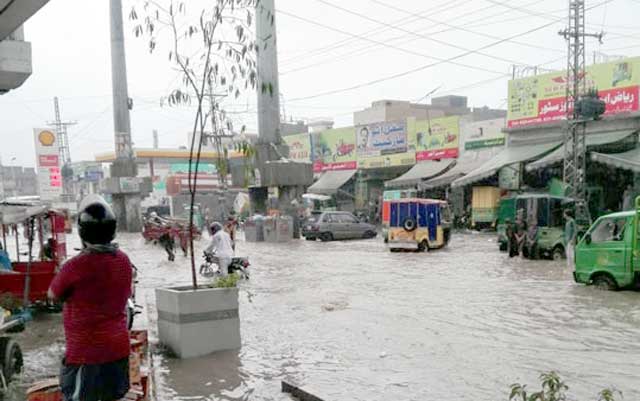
<point>31,271</point>
<point>155,228</point>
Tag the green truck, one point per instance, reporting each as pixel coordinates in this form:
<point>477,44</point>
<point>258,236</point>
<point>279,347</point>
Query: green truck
<point>547,210</point>
<point>608,255</point>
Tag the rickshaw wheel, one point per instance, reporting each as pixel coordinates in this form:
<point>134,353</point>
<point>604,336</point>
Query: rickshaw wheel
<point>605,283</point>
<point>423,246</point>
<point>10,358</point>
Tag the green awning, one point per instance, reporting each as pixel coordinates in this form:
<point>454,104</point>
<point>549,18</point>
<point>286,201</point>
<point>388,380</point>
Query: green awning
<point>330,182</point>
<point>557,155</point>
<point>463,167</point>
<point>509,156</point>
<point>420,172</point>
<point>627,160</point>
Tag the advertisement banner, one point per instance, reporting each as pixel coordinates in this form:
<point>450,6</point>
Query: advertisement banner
<point>299,147</point>
<point>483,134</point>
<point>541,99</point>
<point>381,139</point>
<point>392,160</point>
<point>336,150</point>
<point>48,164</point>
<point>436,139</point>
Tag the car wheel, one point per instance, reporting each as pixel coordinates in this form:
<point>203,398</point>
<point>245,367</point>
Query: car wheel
<point>558,254</point>
<point>310,238</point>
<point>326,237</point>
<point>10,358</point>
<point>369,234</point>
<point>604,282</point>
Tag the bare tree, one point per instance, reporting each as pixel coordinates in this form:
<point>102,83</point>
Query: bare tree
<point>213,68</point>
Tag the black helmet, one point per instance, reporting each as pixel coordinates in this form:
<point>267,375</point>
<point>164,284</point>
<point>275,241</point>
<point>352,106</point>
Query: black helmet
<point>215,227</point>
<point>96,221</point>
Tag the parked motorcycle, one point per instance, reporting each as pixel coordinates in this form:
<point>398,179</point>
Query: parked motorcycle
<point>238,265</point>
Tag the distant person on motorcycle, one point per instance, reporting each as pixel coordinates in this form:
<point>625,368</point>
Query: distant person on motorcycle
<point>221,246</point>
<point>95,286</point>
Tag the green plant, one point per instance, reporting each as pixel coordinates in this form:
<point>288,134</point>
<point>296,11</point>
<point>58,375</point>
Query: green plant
<point>230,281</point>
<point>553,389</point>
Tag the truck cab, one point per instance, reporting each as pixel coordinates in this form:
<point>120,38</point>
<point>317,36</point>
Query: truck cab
<point>608,254</point>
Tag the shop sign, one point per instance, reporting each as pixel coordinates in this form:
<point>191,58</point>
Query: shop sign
<point>48,164</point>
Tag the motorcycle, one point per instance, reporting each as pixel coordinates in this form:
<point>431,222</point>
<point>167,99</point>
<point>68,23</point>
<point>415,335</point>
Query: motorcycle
<point>238,265</point>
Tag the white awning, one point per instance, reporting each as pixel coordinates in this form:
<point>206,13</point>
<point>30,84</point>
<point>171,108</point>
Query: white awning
<point>463,167</point>
<point>420,172</point>
<point>510,155</point>
<point>557,155</point>
<point>330,182</point>
<point>627,160</point>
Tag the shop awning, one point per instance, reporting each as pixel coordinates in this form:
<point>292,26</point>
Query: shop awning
<point>557,155</point>
<point>330,182</point>
<point>462,168</point>
<point>510,155</point>
<point>420,172</point>
<point>627,160</point>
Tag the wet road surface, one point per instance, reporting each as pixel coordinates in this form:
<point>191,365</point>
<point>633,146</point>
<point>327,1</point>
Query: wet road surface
<point>351,321</point>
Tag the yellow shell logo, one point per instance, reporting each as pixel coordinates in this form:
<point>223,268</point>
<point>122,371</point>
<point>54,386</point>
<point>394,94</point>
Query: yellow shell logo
<point>46,138</point>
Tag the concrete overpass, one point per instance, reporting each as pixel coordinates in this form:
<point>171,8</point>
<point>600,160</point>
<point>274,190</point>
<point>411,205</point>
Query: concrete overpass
<point>15,53</point>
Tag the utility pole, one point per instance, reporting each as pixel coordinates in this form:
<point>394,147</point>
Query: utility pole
<point>63,149</point>
<point>124,185</point>
<point>575,146</point>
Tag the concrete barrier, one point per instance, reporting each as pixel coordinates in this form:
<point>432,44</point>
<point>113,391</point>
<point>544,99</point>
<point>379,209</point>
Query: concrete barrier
<point>197,323</point>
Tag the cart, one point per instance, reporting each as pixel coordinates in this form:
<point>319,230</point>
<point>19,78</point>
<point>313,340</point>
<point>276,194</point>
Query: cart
<point>30,275</point>
<point>156,228</point>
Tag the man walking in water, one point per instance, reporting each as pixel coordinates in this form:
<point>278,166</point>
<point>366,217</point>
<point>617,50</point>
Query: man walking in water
<point>95,286</point>
<point>570,231</point>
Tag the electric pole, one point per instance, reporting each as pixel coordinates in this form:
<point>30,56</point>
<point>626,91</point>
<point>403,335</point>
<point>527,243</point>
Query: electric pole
<point>575,146</point>
<point>63,149</point>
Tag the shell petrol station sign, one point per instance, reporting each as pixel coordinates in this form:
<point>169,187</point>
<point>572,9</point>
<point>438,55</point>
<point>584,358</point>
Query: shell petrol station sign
<point>48,164</point>
<point>541,99</point>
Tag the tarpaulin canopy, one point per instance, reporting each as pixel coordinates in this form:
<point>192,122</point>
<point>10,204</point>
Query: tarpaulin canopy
<point>463,167</point>
<point>330,182</point>
<point>592,140</point>
<point>627,160</point>
<point>510,155</point>
<point>420,172</point>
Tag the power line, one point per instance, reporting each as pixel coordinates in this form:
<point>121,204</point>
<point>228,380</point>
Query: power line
<point>422,68</point>
<point>344,42</point>
<point>364,50</point>
<point>386,44</point>
<point>460,28</point>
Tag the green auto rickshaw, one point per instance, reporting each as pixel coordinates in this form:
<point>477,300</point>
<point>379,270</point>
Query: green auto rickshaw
<point>547,210</point>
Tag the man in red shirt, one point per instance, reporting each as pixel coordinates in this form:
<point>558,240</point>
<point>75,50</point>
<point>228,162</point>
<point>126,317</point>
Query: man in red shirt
<point>95,286</point>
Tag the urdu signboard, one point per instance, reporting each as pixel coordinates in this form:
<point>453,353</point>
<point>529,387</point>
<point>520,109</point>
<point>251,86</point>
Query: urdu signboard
<point>541,99</point>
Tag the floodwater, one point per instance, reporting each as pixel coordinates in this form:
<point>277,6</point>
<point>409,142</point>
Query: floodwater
<point>351,321</point>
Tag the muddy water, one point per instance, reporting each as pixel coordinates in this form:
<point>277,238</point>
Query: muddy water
<point>353,322</point>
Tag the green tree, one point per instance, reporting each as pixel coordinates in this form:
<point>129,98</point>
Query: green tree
<point>213,51</point>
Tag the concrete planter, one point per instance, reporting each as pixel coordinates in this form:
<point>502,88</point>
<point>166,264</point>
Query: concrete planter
<point>197,323</point>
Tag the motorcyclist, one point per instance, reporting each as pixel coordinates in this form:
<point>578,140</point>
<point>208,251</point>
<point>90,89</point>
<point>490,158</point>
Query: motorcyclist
<point>95,286</point>
<point>221,245</point>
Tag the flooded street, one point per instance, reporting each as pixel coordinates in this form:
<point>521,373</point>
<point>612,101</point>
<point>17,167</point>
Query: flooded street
<point>351,321</point>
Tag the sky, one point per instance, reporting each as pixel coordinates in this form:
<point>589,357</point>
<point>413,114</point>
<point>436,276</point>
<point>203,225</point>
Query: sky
<point>335,57</point>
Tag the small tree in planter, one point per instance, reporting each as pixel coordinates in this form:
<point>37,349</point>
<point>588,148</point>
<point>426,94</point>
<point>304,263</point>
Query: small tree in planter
<point>212,51</point>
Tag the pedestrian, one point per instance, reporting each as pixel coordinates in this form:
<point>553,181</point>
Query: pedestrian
<point>169,245</point>
<point>531,245</point>
<point>95,286</point>
<point>231,227</point>
<point>520,231</point>
<point>512,244</point>
<point>570,232</point>
<point>220,246</point>
<point>627,198</point>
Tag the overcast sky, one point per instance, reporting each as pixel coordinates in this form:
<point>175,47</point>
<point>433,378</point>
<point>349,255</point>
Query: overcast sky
<point>350,50</point>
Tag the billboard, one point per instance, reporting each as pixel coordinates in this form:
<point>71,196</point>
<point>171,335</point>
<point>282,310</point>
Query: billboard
<point>483,134</point>
<point>335,150</point>
<point>299,147</point>
<point>435,139</point>
<point>541,99</point>
<point>48,164</point>
<point>381,139</point>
